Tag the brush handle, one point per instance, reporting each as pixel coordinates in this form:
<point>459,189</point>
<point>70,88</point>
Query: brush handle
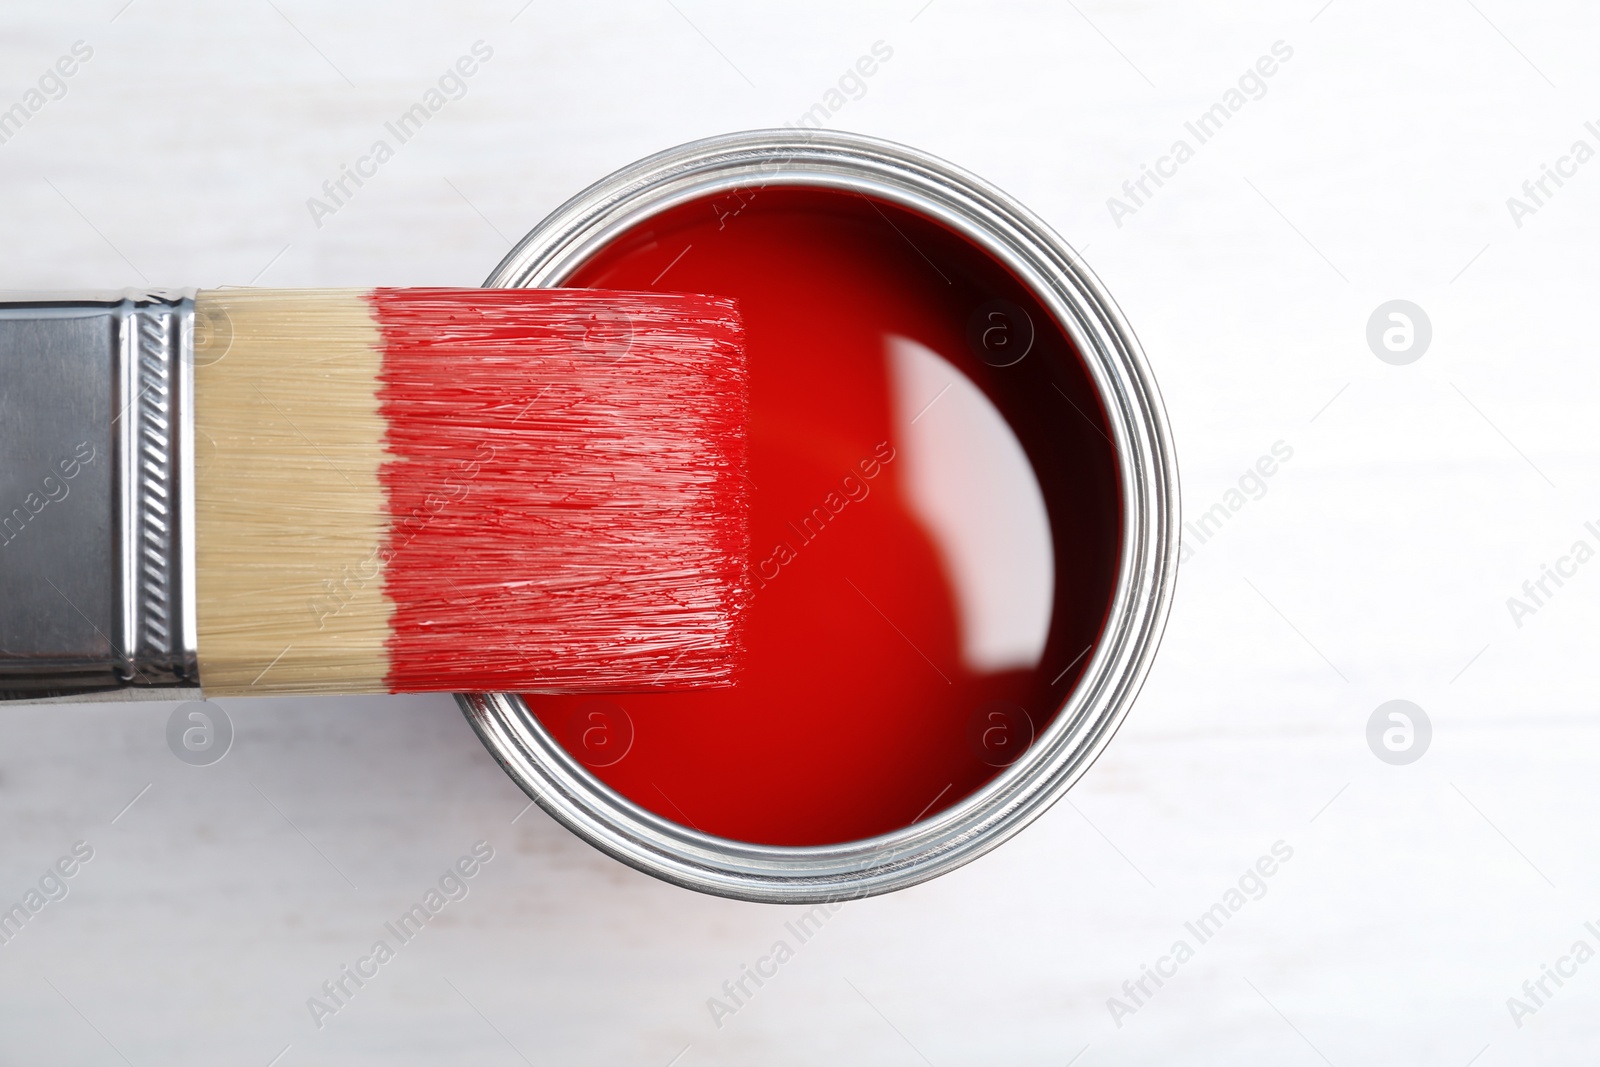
<point>97,495</point>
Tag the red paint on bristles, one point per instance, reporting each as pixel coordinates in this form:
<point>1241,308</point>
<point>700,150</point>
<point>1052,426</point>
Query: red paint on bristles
<point>566,486</point>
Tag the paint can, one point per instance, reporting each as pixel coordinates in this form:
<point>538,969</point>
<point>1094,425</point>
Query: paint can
<point>1146,553</point>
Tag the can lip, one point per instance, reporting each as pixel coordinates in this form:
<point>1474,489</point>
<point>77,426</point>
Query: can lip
<point>1147,560</point>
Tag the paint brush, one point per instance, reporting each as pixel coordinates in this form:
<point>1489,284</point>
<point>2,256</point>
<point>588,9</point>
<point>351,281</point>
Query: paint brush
<point>261,491</point>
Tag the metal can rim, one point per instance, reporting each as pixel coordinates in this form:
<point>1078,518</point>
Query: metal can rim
<point>1148,560</point>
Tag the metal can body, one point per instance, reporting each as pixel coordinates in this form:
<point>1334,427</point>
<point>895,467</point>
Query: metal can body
<point>1147,563</point>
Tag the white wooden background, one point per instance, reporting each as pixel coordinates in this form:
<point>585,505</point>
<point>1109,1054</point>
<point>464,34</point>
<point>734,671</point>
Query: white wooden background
<point>1377,566</point>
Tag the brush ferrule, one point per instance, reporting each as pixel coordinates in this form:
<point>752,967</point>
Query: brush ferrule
<point>97,495</point>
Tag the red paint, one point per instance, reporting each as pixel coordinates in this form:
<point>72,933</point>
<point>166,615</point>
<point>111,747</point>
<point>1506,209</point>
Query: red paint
<point>838,728</point>
<point>566,488</point>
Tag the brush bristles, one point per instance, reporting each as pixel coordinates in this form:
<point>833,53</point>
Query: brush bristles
<point>407,490</point>
<point>290,511</point>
